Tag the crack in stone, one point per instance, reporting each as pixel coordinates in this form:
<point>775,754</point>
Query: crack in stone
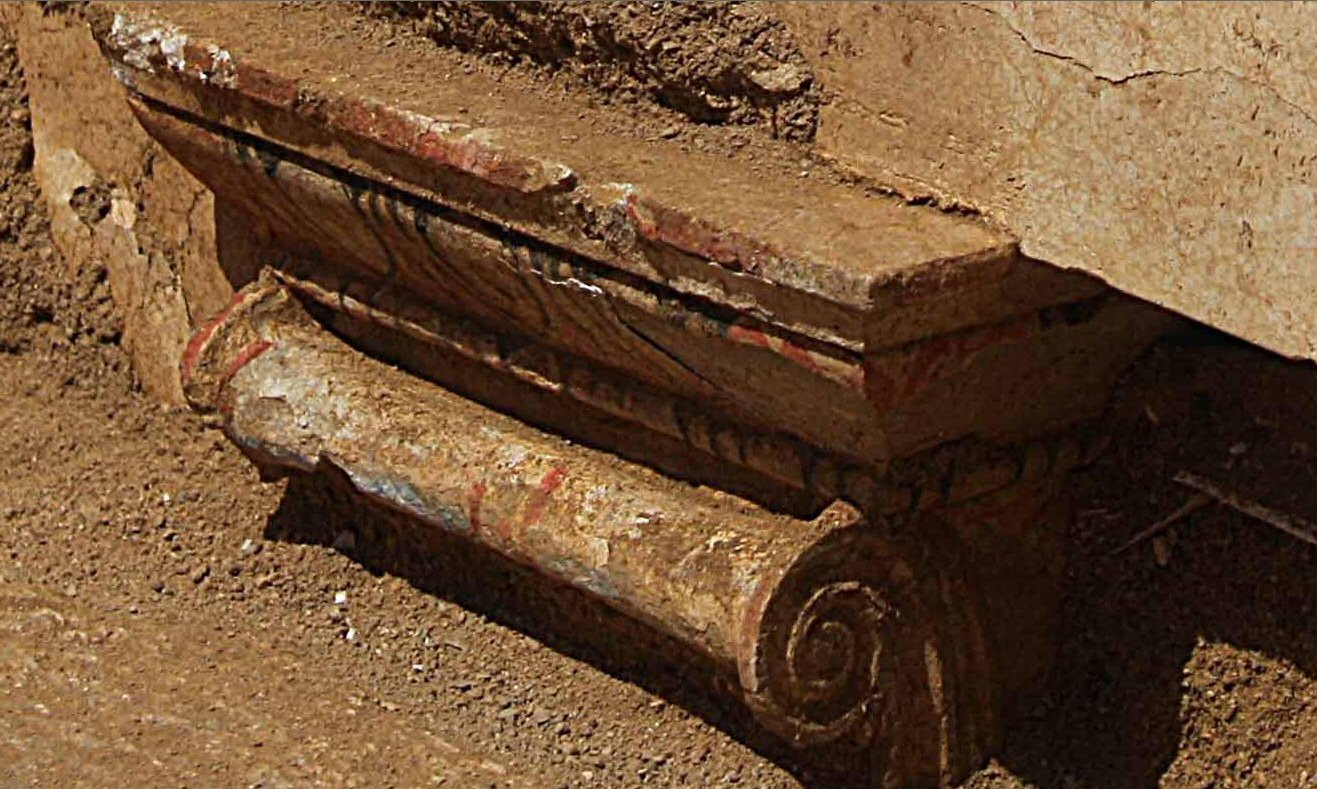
<point>1137,75</point>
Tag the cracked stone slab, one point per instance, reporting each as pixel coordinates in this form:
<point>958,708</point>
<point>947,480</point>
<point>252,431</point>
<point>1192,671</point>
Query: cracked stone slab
<point>1169,149</point>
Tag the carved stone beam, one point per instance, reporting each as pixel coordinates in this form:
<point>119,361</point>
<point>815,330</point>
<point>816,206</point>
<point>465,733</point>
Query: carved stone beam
<point>841,632</point>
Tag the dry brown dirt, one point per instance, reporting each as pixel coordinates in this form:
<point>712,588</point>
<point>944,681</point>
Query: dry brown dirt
<point>166,619</point>
<point>713,63</point>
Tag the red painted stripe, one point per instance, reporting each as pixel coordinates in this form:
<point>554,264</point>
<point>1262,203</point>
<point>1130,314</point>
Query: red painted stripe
<point>192,353</point>
<point>641,220</point>
<point>747,336</point>
<point>240,361</point>
<point>551,482</point>
<point>243,359</point>
<point>801,357</point>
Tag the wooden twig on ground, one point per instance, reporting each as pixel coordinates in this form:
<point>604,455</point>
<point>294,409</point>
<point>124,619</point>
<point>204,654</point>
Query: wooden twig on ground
<point>1294,526</point>
<point>1196,502</point>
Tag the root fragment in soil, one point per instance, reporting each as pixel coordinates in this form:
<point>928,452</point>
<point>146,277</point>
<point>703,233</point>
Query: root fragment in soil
<point>1293,525</point>
<point>1194,503</point>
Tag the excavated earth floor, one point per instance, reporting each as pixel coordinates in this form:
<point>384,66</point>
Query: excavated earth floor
<point>167,619</point>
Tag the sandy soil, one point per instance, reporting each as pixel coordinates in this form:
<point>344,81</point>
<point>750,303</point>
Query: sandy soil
<point>166,619</point>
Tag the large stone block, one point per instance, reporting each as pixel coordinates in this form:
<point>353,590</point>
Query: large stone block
<point>1170,149</point>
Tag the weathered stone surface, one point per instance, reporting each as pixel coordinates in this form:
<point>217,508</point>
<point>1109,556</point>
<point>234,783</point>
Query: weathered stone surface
<point>1170,149</point>
<point>887,642</point>
<point>113,196</point>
